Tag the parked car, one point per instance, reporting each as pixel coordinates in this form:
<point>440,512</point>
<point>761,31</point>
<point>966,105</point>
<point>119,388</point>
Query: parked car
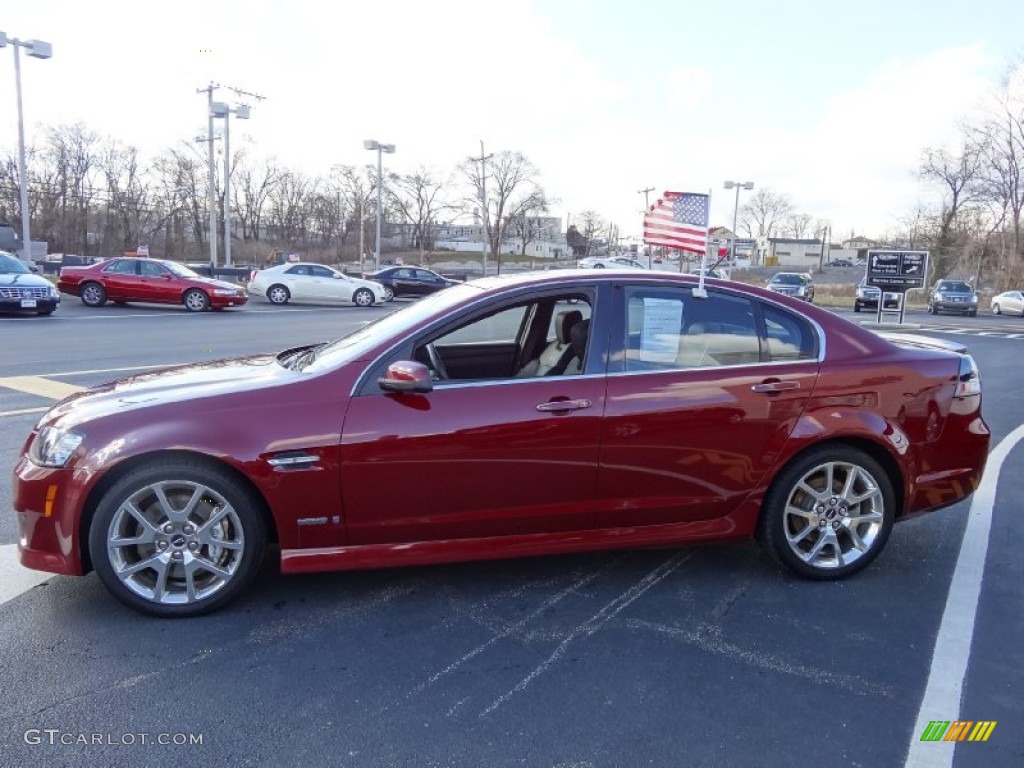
<point>1008,302</point>
<point>141,279</point>
<point>409,281</point>
<point>314,283</point>
<point>616,262</point>
<point>840,263</point>
<point>952,296</point>
<point>509,416</point>
<point>796,284</point>
<point>867,296</point>
<point>23,292</point>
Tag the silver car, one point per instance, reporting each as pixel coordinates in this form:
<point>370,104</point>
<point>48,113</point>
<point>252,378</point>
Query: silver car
<point>1008,303</point>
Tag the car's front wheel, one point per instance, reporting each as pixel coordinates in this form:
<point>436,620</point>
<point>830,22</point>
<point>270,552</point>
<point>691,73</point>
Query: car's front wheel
<point>996,310</point>
<point>363,298</point>
<point>177,538</point>
<point>196,300</point>
<point>389,293</point>
<point>829,513</point>
<point>856,306</point>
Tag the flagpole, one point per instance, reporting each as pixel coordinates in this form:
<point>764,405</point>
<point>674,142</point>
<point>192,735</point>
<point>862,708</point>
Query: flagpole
<point>701,293</point>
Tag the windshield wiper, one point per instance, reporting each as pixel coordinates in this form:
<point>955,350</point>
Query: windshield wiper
<point>307,357</point>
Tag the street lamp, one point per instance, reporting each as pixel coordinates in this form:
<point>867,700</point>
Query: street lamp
<point>220,109</point>
<point>381,148</point>
<point>735,211</point>
<point>37,49</point>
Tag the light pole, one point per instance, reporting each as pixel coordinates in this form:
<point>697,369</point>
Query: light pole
<point>381,149</point>
<point>485,217</point>
<point>646,192</point>
<point>37,49</point>
<point>220,109</point>
<point>735,211</point>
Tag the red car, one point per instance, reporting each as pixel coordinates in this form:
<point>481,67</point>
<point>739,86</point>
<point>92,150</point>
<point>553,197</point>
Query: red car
<point>511,416</point>
<point>148,280</point>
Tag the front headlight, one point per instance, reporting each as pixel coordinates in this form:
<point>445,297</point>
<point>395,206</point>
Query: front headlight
<point>53,446</point>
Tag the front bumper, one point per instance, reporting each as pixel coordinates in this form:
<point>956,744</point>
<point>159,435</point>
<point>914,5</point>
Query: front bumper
<point>47,502</point>
<point>219,302</point>
<point>955,306</point>
<point>47,304</point>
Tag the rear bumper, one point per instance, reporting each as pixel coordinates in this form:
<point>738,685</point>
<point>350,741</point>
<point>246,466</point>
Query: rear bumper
<point>946,473</point>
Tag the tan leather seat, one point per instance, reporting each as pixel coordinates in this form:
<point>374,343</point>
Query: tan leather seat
<point>556,355</point>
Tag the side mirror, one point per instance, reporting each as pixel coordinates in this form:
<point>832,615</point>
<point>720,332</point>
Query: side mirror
<point>407,376</point>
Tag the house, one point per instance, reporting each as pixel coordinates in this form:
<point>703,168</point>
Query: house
<point>857,242</point>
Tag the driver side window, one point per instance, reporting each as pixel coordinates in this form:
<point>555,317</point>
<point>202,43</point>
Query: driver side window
<point>542,337</point>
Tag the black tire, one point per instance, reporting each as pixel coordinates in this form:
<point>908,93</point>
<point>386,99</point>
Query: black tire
<point>827,519</point>
<point>598,266</point>
<point>93,294</point>
<point>856,307</point>
<point>389,293</point>
<point>363,297</point>
<point>996,310</point>
<point>973,313</point>
<point>278,294</point>
<point>195,300</point>
<point>244,522</point>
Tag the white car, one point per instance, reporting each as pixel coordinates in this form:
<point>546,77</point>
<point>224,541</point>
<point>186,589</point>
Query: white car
<point>314,283</point>
<point>617,262</point>
<point>1009,303</point>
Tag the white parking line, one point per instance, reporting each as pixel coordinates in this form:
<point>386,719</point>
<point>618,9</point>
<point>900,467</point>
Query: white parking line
<point>942,696</point>
<point>14,577</point>
<point>23,411</point>
<point>37,385</point>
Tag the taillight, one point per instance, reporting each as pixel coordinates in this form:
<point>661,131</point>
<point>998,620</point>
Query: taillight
<point>968,380</point>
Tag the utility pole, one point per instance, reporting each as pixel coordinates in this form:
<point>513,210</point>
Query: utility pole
<point>212,167</point>
<point>483,201</point>
<point>646,192</point>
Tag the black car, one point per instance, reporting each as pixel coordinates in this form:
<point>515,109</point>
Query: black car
<point>409,281</point>
<point>21,291</point>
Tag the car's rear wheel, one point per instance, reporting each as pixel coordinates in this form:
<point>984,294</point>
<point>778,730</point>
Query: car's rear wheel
<point>363,298</point>
<point>93,295</point>
<point>177,538</point>
<point>278,294</point>
<point>829,513</point>
<point>973,313</point>
<point>599,266</point>
<point>856,306</point>
<point>996,310</point>
<point>389,293</point>
<point>196,300</point>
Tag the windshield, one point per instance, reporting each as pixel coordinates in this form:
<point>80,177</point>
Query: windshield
<point>180,269</point>
<point>789,279</point>
<point>955,287</point>
<point>360,341</point>
<point>9,265</point>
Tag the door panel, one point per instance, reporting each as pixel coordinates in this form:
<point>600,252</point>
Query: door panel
<point>689,445</point>
<point>472,460</point>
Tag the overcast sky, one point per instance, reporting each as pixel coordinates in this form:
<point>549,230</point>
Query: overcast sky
<point>829,103</point>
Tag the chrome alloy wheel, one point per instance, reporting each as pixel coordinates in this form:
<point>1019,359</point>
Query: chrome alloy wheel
<point>833,515</point>
<point>175,542</point>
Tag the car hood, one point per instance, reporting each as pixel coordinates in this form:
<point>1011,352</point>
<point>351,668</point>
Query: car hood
<point>172,385</point>
<point>24,281</point>
<point>223,284</point>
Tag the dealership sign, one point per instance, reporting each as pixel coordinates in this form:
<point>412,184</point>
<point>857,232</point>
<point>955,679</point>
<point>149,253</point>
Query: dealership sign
<point>897,271</point>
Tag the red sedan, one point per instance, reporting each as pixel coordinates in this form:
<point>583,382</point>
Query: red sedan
<point>528,415</point>
<point>148,280</point>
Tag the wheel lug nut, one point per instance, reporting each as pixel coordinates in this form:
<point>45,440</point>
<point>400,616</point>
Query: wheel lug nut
<point>188,530</point>
<point>162,544</point>
<point>193,545</point>
<point>835,525</point>
<point>177,556</point>
<point>168,528</point>
<point>821,523</point>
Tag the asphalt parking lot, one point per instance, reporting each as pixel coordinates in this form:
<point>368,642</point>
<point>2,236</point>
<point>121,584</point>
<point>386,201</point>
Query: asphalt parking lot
<point>707,656</point>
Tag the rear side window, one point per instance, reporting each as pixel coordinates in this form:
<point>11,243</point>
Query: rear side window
<point>121,267</point>
<point>789,337</point>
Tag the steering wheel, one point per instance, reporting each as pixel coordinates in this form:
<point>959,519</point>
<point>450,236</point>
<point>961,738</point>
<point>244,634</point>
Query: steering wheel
<point>435,362</point>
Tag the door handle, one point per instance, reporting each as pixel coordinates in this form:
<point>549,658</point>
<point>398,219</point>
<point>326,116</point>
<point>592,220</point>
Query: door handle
<point>776,386</point>
<point>564,405</point>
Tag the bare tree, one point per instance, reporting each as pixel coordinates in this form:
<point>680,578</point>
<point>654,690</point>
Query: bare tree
<point>958,175</point>
<point>591,224</point>
<point>418,197</point>
<point>524,220</point>
<point>510,178</point>
<point>799,225</point>
<point>252,188</point>
<point>764,212</point>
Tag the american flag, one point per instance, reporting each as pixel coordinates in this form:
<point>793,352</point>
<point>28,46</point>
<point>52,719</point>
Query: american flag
<point>678,220</point>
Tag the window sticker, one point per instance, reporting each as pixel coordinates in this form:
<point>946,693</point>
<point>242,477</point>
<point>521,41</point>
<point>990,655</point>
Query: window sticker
<point>659,337</point>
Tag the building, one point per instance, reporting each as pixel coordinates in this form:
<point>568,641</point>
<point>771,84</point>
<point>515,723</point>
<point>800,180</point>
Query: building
<point>795,253</point>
